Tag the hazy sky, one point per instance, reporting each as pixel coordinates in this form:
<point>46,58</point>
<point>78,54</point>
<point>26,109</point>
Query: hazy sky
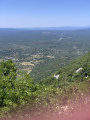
<point>44,13</point>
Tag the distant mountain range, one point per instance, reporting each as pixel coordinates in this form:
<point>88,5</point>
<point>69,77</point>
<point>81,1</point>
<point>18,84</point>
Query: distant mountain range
<point>51,28</point>
<point>58,28</point>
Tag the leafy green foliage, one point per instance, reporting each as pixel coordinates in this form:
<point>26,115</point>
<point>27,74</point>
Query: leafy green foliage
<point>14,91</point>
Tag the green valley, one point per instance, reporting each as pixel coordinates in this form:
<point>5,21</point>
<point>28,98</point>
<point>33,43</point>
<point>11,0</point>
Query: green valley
<point>35,51</point>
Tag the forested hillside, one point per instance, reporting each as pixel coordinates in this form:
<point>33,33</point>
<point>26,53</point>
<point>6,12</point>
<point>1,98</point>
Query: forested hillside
<point>18,92</point>
<point>77,71</point>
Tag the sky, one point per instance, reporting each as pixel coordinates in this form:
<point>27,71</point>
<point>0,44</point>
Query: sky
<point>44,13</point>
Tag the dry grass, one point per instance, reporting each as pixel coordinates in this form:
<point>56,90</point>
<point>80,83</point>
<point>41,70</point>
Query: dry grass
<point>27,63</point>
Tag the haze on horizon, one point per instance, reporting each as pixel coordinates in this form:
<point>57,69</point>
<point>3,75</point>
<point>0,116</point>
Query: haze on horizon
<point>44,13</point>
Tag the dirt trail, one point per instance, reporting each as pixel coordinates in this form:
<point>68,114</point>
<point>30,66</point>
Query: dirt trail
<point>76,110</point>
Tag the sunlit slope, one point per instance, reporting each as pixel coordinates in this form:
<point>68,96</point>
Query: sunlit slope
<point>76,72</point>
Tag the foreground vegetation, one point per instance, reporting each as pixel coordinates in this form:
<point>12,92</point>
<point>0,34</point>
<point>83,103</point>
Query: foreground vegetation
<point>18,92</point>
